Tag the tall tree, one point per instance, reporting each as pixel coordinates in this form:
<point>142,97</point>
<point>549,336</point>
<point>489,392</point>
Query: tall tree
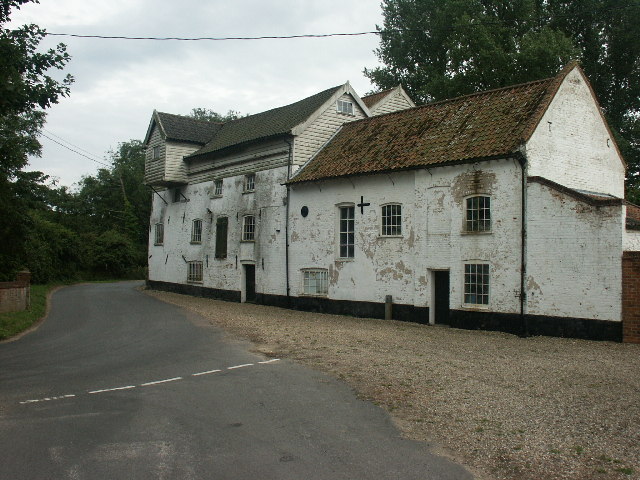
<point>443,48</point>
<point>211,116</point>
<point>26,90</point>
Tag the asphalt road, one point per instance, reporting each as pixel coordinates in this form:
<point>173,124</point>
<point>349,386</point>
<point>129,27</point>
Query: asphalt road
<point>118,385</point>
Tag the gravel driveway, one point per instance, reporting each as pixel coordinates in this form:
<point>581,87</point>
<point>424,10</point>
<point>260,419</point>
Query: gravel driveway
<point>508,408</point>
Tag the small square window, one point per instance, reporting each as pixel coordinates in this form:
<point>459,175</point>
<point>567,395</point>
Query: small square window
<point>248,228</point>
<point>345,107</point>
<point>392,220</point>
<point>315,282</point>
<point>476,284</point>
<point>478,217</point>
<point>217,187</point>
<point>156,153</point>
<point>196,231</point>
<point>250,182</point>
<point>159,234</point>
<point>194,273</point>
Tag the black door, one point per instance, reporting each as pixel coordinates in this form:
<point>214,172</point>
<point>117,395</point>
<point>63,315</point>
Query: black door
<point>441,303</point>
<point>250,282</point>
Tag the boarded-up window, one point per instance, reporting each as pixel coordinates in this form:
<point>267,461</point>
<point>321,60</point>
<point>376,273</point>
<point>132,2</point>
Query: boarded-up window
<point>221,237</point>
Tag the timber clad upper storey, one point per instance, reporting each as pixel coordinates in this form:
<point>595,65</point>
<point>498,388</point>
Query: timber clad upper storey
<point>499,210</point>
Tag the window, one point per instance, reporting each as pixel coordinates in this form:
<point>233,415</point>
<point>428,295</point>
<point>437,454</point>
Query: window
<point>196,231</point>
<point>249,228</point>
<point>347,231</point>
<point>250,182</point>
<point>476,283</point>
<point>222,224</point>
<point>195,272</point>
<point>217,187</point>
<point>159,240</point>
<point>392,220</point>
<point>345,107</point>
<point>156,153</point>
<point>315,282</point>
<point>177,195</point>
<point>478,214</point>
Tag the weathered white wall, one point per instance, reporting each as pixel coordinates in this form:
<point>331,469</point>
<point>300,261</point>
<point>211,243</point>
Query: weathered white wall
<point>571,145</point>
<point>323,128</point>
<point>631,241</point>
<point>433,238</point>
<point>266,204</point>
<point>573,256</point>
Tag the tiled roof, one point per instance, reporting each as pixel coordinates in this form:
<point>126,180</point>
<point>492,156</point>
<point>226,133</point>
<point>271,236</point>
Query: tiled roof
<point>371,100</point>
<point>481,125</point>
<point>278,121</point>
<point>187,129</point>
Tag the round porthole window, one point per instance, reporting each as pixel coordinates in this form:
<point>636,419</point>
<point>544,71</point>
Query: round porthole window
<point>304,211</point>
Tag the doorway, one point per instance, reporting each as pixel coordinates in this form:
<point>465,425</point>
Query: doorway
<point>440,302</point>
<point>250,283</point>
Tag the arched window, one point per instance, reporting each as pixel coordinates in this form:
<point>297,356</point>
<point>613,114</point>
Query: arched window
<point>478,215</point>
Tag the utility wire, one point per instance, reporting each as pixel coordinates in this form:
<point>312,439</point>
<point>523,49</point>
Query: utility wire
<point>75,151</point>
<point>320,35</point>
<point>75,146</point>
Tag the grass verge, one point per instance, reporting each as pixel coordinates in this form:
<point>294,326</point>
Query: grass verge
<point>15,322</point>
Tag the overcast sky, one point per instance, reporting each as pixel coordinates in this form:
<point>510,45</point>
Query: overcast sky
<point>118,83</point>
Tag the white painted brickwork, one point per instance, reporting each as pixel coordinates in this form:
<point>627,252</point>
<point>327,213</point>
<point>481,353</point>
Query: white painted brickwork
<point>573,256</point>
<point>266,204</point>
<point>572,146</point>
<point>433,238</point>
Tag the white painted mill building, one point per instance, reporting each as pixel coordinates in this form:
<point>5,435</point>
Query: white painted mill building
<point>499,210</point>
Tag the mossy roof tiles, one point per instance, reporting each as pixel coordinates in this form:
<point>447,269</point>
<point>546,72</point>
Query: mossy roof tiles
<point>186,129</point>
<point>482,125</point>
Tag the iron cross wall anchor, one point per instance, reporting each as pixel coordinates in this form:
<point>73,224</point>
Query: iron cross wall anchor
<point>362,204</point>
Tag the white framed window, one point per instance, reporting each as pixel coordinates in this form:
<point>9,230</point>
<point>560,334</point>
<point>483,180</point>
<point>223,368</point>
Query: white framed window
<point>217,187</point>
<point>196,231</point>
<point>392,220</point>
<point>345,107</point>
<point>476,283</point>
<point>156,152</point>
<point>194,271</point>
<point>478,214</point>
<point>248,228</point>
<point>250,182</point>
<point>159,234</point>
<point>315,281</point>
<point>347,231</point>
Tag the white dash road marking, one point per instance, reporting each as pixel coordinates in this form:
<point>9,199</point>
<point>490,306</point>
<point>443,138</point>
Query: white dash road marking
<point>160,381</point>
<point>112,389</point>
<point>47,399</point>
<point>240,366</point>
<point>205,373</point>
<point>269,361</point>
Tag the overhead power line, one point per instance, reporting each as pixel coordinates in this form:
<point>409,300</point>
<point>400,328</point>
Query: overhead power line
<point>75,151</point>
<point>97,157</point>
<point>321,35</point>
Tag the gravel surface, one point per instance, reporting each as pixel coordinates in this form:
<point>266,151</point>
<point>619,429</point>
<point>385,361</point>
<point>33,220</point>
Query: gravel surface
<point>507,407</point>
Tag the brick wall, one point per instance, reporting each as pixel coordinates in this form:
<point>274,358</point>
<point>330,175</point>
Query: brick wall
<point>16,296</point>
<point>631,297</point>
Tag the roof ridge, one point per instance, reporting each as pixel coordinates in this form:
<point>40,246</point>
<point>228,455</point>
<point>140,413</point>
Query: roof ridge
<point>188,117</point>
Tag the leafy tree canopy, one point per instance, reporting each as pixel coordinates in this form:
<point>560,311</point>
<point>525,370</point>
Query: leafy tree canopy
<point>440,49</point>
<point>210,115</point>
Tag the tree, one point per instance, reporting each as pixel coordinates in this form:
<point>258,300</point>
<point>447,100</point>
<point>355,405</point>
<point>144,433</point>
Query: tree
<point>26,90</point>
<point>211,116</point>
<point>439,49</point>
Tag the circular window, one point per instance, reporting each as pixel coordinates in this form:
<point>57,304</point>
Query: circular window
<point>304,211</point>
